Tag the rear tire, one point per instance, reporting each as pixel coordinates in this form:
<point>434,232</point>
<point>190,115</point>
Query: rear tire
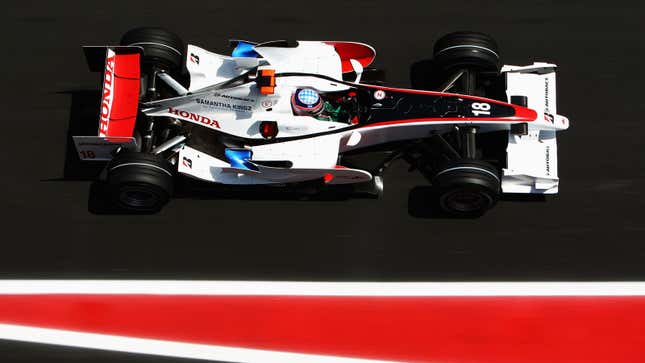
<point>467,50</point>
<point>140,182</point>
<point>467,188</point>
<point>161,47</point>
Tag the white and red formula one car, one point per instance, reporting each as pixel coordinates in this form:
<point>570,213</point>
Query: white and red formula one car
<point>280,113</point>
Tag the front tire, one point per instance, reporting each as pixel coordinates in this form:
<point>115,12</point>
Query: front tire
<point>467,50</point>
<point>467,188</point>
<point>140,182</point>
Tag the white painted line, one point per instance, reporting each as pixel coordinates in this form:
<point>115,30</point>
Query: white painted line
<point>164,348</point>
<point>282,288</point>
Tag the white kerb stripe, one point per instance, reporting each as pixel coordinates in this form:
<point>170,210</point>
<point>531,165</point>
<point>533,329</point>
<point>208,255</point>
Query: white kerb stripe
<point>282,288</point>
<point>164,348</point>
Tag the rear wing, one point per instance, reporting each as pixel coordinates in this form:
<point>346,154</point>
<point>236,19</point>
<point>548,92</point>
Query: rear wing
<point>119,100</point>
<point>121,88</point>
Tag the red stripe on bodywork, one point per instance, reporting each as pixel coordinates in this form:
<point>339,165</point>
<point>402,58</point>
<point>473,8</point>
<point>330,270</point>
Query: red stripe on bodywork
<point>414,329</point>
<point>527,116</point>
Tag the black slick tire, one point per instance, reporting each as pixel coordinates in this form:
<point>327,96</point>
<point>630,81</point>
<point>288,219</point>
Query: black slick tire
<point>140,182</point>
<point>467,188</point>
<point>161,47</point>
<point>467,50</point>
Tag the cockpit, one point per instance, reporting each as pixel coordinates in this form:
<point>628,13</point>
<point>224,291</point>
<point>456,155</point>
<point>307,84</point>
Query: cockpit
<point>340,106</point>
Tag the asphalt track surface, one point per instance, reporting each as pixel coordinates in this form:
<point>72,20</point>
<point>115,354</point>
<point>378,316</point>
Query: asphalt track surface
<point>593,230</point>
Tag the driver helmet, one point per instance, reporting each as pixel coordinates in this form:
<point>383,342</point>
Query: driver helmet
<point>307,102</point>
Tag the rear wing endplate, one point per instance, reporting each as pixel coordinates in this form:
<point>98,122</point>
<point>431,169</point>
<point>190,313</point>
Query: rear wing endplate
<point>121,88</point>
<point>119,101</point>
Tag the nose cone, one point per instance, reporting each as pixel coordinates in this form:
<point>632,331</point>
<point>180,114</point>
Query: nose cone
<point>562,122</point>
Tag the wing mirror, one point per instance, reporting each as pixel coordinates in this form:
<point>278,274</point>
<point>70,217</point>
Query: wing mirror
<point>358,69</point>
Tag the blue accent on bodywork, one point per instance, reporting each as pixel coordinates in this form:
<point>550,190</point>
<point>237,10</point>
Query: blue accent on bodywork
<point>244,49</point>
<point>239,158</point>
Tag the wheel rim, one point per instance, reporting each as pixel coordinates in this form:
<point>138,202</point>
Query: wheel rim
<point>466,201</point>
<point>138,197</point>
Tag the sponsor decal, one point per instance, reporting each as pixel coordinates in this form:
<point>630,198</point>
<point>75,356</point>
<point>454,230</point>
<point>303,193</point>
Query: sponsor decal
<point>108,96</point>
<point>548,160</point>
<point>379,95</point>
<point>294,128</point>
<point>425,108</point>
<point>194,117</point>
<point>267,104</point>
<point>546,95</point>
<point>222,105</point>
<point>194,58</point>
<point>187,162</point>
<point>548,116</point>
<point>233,97</point>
